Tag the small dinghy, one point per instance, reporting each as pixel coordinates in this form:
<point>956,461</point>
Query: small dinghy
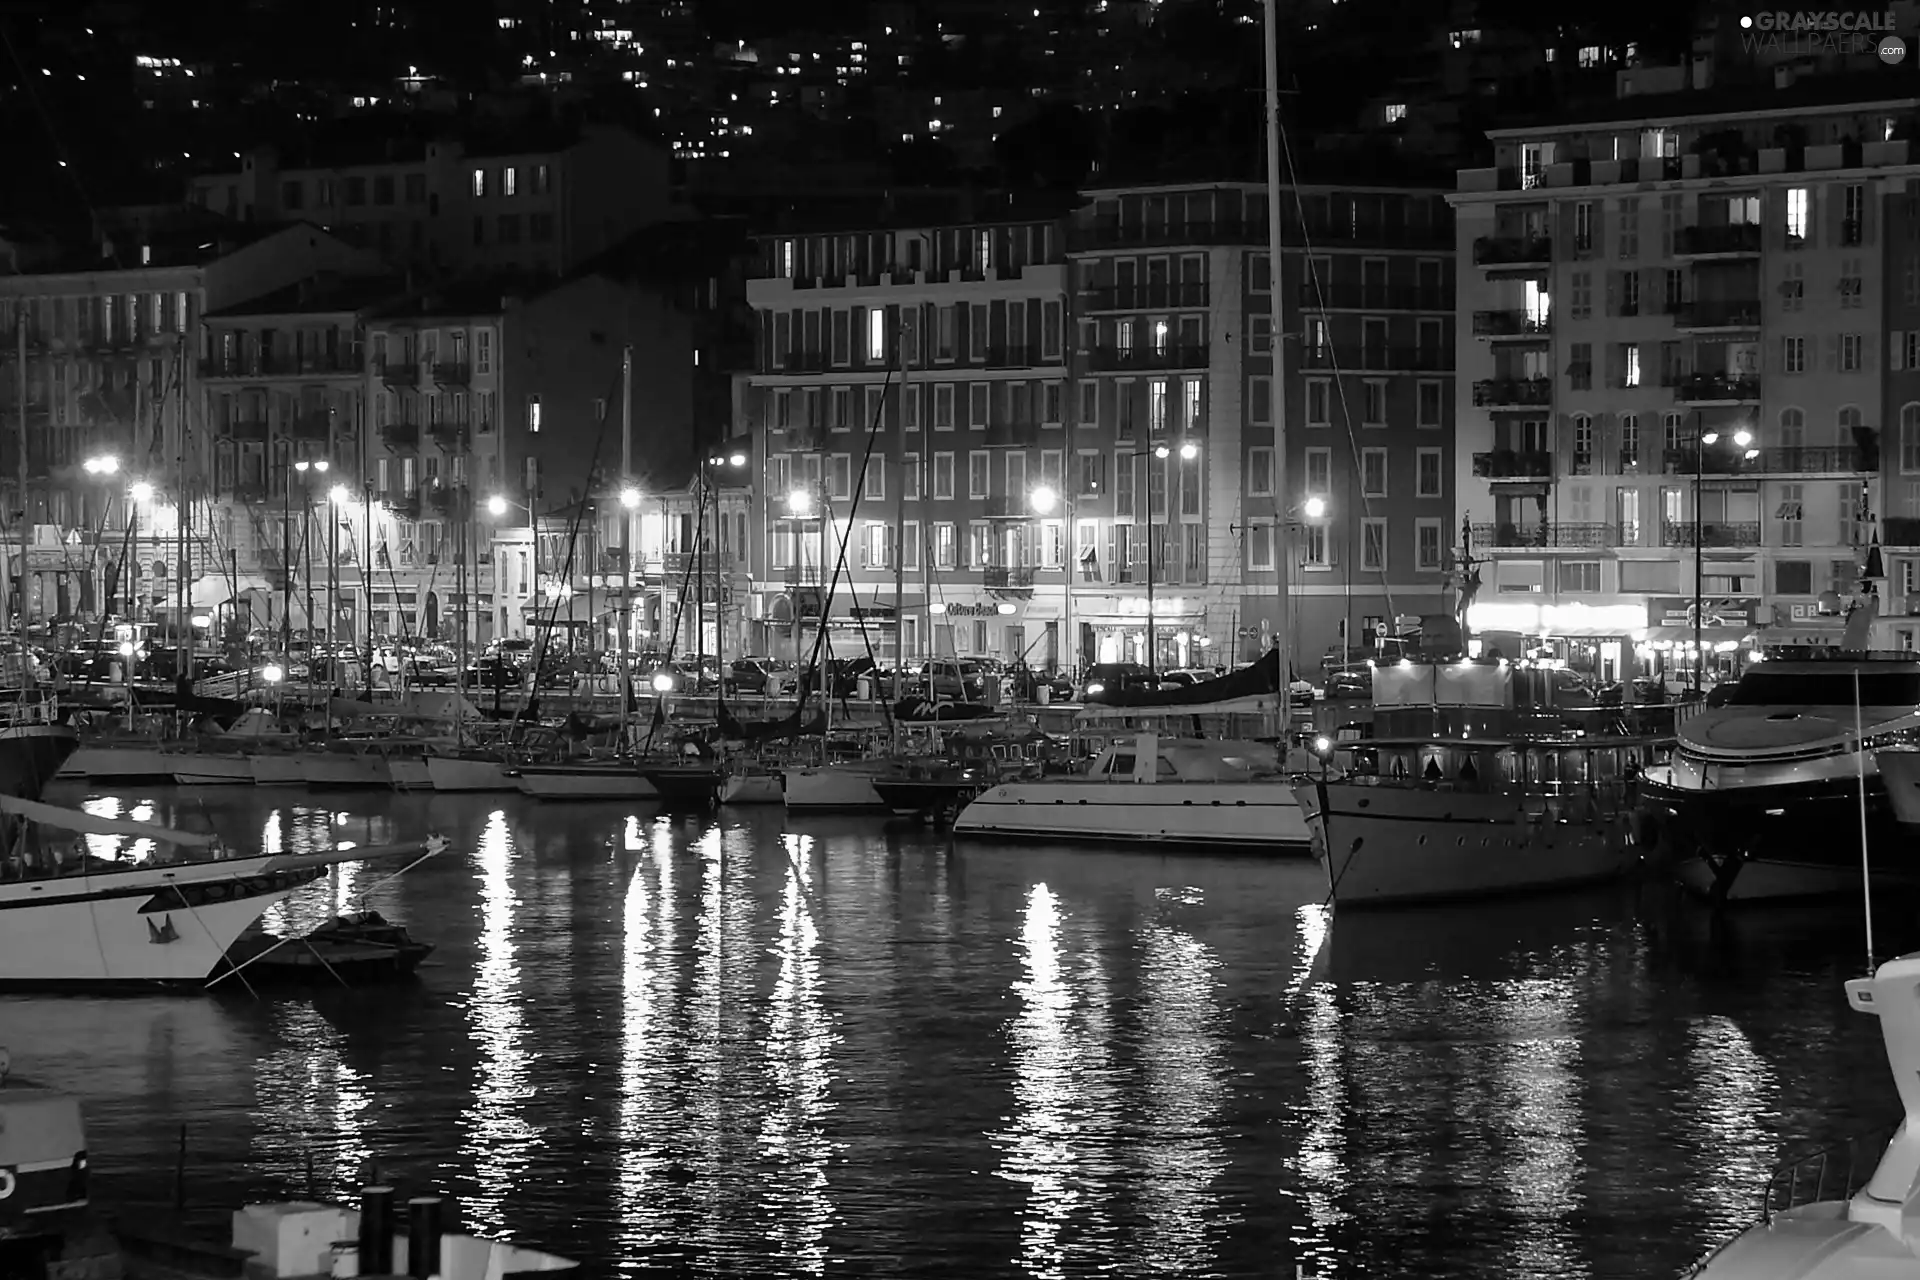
<point>351,950</point>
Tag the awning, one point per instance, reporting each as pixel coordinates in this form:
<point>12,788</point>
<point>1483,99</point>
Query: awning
<point>1811,635</point>
<point>1708,635</point>
<point>574,611</point>
<point>218,588</point>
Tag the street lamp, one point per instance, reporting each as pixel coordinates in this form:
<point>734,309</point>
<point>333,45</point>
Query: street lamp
<point>1045,500</point>
<point>1188,451</point>
<point>1742,440</point>
<point>1314,508</point>
<point>141,492</point>
<point>105,465</point>
<point>497,505</point>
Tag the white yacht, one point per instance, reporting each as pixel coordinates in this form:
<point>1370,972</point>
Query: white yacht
<point>1185,792</point>
<point>1825,1217</point>
<point>836,788</point>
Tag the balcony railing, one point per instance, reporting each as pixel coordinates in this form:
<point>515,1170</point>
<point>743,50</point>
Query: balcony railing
<point>451,500</point>
<point>404,505</point>
<point>401,435</point>
<point>400,373</point>
<point>1006,578</point>
<point>1145,297</point>
<point>1512,251</point>
<point>1700,241</point>
<point>259,365</point>
<point>1546,535</point>
<point>1719,314</point>
<point>1378,359</point>
<point>1110,234</point>
<point>312,426</point>
<point>1779,460</point>
<point>1373,297</point>
<point>1512,323</point>
<point>1712,388</point>
<point>453,373</point>
<point>248,429</point>
<point>800,361</point>
<point>1713,533</point>
<point>449,434</point>
<point>1110,359</point>
<point>1022,357</point>
<point>1491,392</point>
<point>1514,464</point>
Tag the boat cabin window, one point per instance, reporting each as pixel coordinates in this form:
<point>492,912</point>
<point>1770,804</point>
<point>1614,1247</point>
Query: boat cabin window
<point>1121,766</point>
<point>1163,768</point>
<point>1826,688</point>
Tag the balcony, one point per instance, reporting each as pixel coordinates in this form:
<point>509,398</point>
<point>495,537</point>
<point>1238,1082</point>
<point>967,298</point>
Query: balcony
<point>1145,297</point>
<point>453,373</point>
<point>1778,461</point>
<point>1114,360</point>
<point>1741,240</point>
<point>1519,251</point>
<point>1514,464</point>
<point>1901,531</point>
<point>399,373</point>
<point>1717,388</point>
<point>1373,297</point>
<point>1722,314</point>
<point>1007,506</point>
<point>454,500</point>
<point>1572,536</point>
<point>1512,323</point>
<point>1110,234</point>
<point>404,505</point>
<point>1743,533</point>
<point>450,435</point>
<point>250,430</point>
<point>400,435</point>
<point>1017,357</point>
<point>803,575</point>
<point>324,363</point>
<point>312,426</point>
<point>1379,359</point>
<point>1517,393</point>
<point>1004,578</point>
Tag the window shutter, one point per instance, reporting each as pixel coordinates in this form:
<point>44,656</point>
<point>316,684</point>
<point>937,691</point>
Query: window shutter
<point>1869,358</point>
<point>1113,551</point>
<point>1896,350</point>
<point>1832,353</point>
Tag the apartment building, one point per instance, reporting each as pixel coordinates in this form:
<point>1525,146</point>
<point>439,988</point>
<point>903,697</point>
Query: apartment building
<point>528,199</point>
<point>1174,415</point>
<point>113,371</point>
<point>919,380</point>
<point>1675,364</point>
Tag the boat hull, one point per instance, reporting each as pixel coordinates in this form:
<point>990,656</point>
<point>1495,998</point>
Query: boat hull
<point>753,788</point>
<point>33,755</point>
<point>557,782</point>
<point>1790,840</point>
<point>833,789</point>
<point>205,769</point>
<point>346,770</point>
<point>409,773</point>
<point>459,773</point>
<point>146,764</point>
<point>1386,845</point>
<point>1260,818</point>
<point>686,786</point>
<point>277,769</point>
<point>151,926</point>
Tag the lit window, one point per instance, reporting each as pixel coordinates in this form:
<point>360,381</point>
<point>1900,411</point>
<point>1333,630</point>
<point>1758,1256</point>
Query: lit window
<point>509,180</point>
<point>533,415</point>
<point>877,334</point>
<point>1396,112</point>
<point>1797,210</point>
<point>479,183</point>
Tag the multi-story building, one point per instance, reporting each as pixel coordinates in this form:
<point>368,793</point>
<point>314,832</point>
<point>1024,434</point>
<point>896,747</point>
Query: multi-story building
<point>1174,313</point>
<point>972,319</point>
<point>113,372</point>
<point>1674,367</point>
<point>530,199</point>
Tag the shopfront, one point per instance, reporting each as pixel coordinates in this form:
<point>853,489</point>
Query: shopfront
<point>1596,640</point>
<point>1726,627</point>
<point>1114,629</point>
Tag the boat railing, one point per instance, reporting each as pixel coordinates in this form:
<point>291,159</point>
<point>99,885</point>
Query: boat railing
<point>1835,1172</point>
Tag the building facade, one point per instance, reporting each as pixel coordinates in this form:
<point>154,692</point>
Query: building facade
<point>1676,368</point>
<point>115,377</point>
<point>1085,438</point>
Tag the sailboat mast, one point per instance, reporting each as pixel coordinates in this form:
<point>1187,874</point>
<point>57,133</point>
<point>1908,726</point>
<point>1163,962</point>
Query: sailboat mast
<point>183,619</point>
<point>900,527</point>
<point>26,535</point>
<point>1283,606</point>
<point>626,545</point>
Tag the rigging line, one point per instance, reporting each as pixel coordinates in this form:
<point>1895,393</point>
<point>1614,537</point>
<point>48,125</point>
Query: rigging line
<point>874,424</point>
<point>659,716</point>
<point>53,137</point>
<point>1333,355</point>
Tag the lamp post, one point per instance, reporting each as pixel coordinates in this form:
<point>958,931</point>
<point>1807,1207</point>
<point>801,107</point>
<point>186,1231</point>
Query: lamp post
<point>802,506</point>
<point>1188,452</point>
<point>100,465</point>
<point>629,506</point>
<point>733,458</point>
<point>305,469</point>
<point>338,499</point>
<point>1742,440</point>
<point>497,506</point>
<point>140,494</point>
<point>1045,500</point>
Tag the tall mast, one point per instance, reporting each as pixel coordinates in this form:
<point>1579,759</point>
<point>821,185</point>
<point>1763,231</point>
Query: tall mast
<point>1282,549</point>
<point>900,525</point>
<point>183,620</point>
<point>26,535</point>
<point>626,542</point>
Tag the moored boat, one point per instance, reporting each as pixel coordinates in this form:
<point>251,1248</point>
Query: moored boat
<point>468,771</point>
<point>212,769</point>
<point>846,787</point>
<point>584,780</point>
<point>1473,787</point>
<point>753,785</point>
<point>350,950</point>
<point>346,766</point>
<point>278,769</point>
<point>118,762</point>
<point>1184,793</point>
<point>686,786</point>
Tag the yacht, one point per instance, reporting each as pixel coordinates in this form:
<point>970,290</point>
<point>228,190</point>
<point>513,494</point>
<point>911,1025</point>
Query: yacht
<point>1825,1216</point>
<point>1188,793</point>
<point>1471,782</point>
<point>1763,797</point>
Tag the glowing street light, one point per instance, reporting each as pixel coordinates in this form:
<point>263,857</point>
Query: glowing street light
<point>630,497</point>
<point>1188,451</point>
<point>339,495</point>
<point>1315,507</point>
<point>496,505</point>
<point>800,503</point>
<point>662,682</point>
<point>273,673</point>
<point>305,465</point>
<point>736,459</point>
<point>105,465</point>
<point>141,492</point>
<point>1044,499</point>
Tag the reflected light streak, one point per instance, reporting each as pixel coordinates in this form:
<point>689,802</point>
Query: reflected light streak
<point>1315,920</point>
<point>499,1138</point>
<point>1056,1082</point>
<point>1734,1091</point>
<point>799,1059</point>
<point>1320,1166</point>
<point>645,1201</point>
<point>1187,1083</point>
<point>1538,1140</point>
<point>310,1105</point>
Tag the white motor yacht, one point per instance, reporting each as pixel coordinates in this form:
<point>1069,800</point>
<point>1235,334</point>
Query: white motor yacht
<point>1186,792</point>
<point>1825,1216</point>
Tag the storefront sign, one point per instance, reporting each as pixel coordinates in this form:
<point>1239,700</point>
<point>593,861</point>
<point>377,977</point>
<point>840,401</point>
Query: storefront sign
<point>1717,611</point>
<point>969,611</point>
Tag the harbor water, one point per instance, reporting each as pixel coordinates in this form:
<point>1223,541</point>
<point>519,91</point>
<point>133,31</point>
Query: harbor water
<point>752,1045</point>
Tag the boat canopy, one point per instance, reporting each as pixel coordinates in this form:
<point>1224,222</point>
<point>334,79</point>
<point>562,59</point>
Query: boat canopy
<point>1261,680</point>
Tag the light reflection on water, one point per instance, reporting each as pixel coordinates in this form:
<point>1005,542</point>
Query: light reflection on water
<point>746,1047</point>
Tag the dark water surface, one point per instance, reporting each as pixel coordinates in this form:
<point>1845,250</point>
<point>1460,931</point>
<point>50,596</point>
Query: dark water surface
<point>761,1046</point>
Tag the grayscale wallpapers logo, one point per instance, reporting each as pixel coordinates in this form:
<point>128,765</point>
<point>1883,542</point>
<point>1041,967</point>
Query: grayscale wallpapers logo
<point>1893,50</point>
<point>1782,32</point>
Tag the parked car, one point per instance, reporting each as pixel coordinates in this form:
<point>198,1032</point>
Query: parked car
<point>1104,679</point>
<point>767,676</point>
<point>960,679</point>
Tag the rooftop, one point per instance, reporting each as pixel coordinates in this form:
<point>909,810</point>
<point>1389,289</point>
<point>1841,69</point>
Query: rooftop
<point>322,295</point>
<point>486,295</point>
<point>1735,104</point>
<point>28,251</point>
